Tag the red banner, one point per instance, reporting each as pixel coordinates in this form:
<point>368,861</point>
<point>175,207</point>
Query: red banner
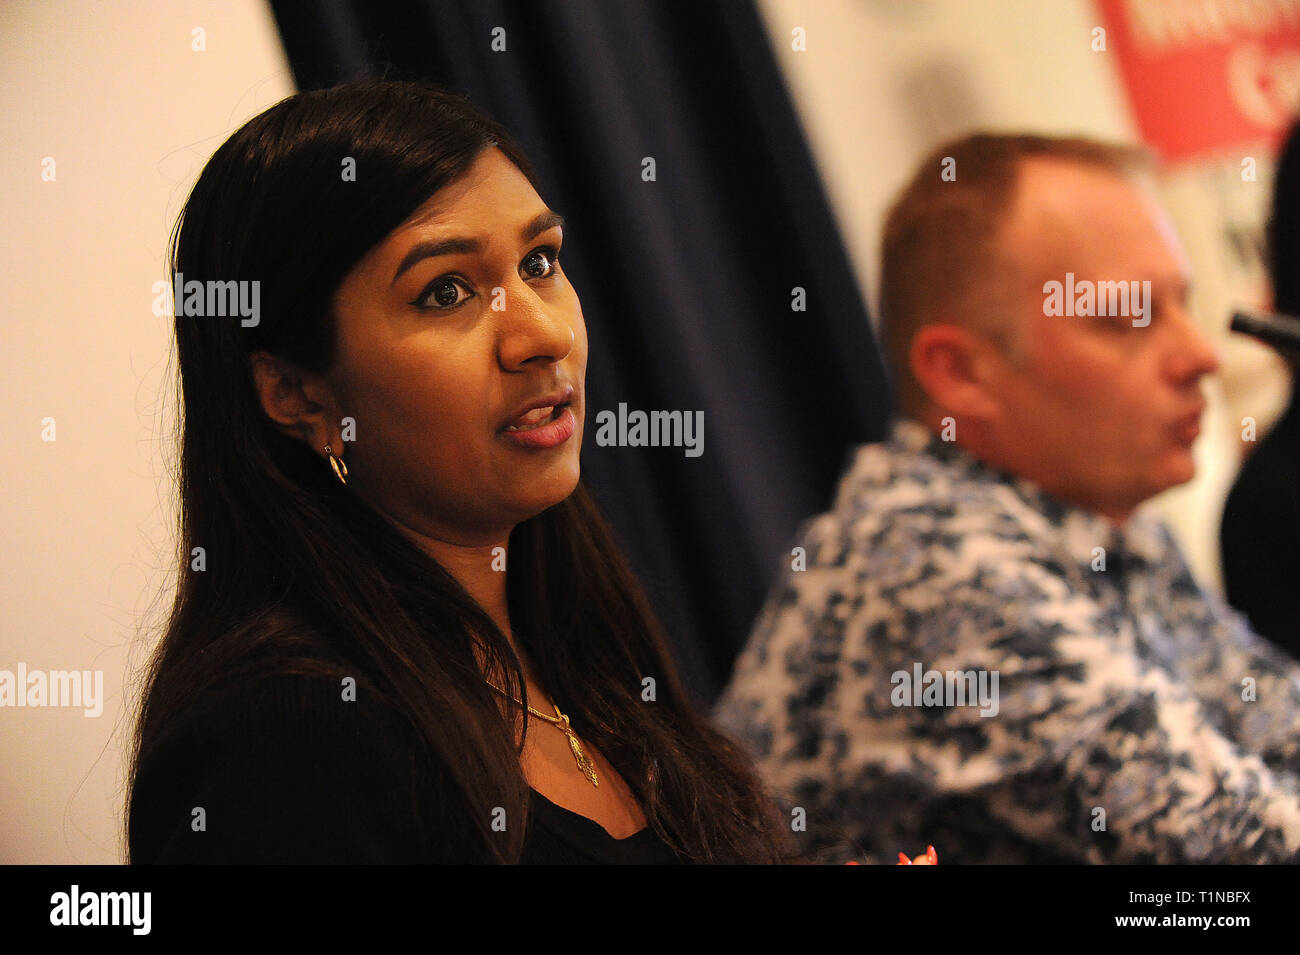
<point>1204,76</point>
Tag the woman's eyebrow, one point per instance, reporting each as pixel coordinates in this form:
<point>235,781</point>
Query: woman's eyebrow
<point>426,250</point>
<point>547,220</point>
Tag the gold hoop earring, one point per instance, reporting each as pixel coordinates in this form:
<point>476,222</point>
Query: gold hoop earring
<point>340,469</point>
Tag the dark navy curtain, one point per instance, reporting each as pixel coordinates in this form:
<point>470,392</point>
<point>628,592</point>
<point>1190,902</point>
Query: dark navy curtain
<point>721,286</point>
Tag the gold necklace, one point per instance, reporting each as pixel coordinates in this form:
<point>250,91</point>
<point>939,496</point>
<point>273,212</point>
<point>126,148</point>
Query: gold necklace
<point>560,722</point>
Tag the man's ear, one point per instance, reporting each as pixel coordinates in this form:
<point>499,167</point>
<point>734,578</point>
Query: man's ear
<point>296,402</point>
<point>956,368</point>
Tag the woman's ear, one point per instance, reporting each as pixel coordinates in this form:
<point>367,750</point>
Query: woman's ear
<point>296,402</point>
<point>957,369</point>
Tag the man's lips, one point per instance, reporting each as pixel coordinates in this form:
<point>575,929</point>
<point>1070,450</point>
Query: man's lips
<point>1188,427</point>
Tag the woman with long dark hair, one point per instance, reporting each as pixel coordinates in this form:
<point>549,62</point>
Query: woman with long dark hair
<point>402,630</point>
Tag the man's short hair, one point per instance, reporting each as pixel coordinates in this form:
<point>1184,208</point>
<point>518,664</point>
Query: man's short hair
<point>938,245</point>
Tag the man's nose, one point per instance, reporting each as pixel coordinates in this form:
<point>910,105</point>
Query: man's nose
<point>1191,355</point>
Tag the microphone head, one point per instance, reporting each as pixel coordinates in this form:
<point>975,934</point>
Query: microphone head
<point>1280,331</point>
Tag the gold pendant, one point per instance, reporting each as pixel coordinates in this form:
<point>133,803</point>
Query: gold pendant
<point>583,762</point>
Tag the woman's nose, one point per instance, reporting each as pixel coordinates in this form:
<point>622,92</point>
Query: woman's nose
<point>531,329</point>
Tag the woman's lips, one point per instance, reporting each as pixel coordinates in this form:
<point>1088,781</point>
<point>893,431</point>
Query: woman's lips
<point>552,430</point>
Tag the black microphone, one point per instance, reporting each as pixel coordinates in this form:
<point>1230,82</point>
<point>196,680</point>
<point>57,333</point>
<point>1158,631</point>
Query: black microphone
<point>1280,331</point>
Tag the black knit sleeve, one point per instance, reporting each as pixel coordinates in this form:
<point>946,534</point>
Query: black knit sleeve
<point>282,769</point>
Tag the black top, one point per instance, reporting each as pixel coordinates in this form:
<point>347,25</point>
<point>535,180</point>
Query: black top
<point>283,769</point>
<point>559,836</point>
<point>1260,535</point>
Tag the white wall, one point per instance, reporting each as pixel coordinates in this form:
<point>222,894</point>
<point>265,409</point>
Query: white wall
<point>129,112</point>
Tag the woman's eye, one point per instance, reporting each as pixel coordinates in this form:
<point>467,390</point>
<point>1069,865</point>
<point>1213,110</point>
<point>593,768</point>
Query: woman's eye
<point>444,293</point>
<point>540,263</point>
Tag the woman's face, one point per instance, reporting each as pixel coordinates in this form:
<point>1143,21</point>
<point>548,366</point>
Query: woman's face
<point>449,332</point>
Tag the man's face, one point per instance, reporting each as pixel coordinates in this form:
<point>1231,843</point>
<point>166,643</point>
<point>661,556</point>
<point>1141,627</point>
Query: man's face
<point>1096,410</point>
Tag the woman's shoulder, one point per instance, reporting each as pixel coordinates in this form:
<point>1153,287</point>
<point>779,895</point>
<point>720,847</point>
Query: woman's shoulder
<point>280,760</point>
<point>296,702</point>
<point>276,675</point>
<point>276,662</point>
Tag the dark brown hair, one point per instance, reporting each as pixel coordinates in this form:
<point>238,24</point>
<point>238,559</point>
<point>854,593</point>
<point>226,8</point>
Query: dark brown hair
<point>296,563</point>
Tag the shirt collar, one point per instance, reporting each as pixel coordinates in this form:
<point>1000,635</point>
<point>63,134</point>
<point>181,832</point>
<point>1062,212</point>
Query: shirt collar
<point>1142,539</point>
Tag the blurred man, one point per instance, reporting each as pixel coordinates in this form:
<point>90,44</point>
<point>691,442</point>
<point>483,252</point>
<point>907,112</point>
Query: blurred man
<point>984,646</point>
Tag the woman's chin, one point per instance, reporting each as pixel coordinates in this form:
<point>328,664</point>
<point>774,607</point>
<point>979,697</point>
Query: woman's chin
<point>548,491</point>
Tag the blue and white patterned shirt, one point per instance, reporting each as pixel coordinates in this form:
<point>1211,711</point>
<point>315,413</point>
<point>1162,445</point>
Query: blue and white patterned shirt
<point>1128,715</point>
